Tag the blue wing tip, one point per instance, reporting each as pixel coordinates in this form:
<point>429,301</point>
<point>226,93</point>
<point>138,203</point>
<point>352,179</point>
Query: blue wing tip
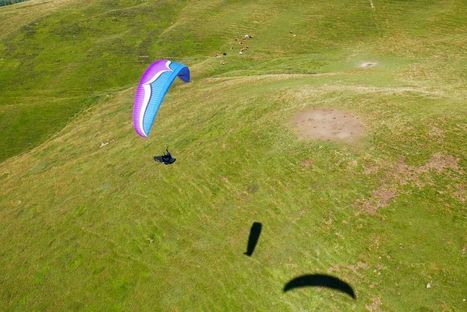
<point>184,74</point>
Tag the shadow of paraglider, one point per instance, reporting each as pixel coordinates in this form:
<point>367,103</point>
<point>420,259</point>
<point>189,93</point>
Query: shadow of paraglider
<point>255,232</point>
<point>320,280</point>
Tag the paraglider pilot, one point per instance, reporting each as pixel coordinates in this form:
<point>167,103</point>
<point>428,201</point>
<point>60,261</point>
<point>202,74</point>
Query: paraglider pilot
<point>166,159</point>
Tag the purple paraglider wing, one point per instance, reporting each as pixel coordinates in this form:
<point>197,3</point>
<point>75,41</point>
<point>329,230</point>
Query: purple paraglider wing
<point>151,90</point>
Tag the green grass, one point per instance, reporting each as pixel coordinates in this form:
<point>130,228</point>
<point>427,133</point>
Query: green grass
<point>8,2</point>
<point>92,228</point>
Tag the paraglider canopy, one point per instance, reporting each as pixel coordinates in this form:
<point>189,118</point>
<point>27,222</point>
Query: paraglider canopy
<point>153,86</point>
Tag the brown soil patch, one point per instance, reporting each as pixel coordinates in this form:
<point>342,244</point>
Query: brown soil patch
<point>440,162</point>
<point>354,268</point>
<point>459,193</point>
<point>328,124</point>
<point>375,305</point>
<point>401,174</point>
<point>307,163</point>
<point>436,133</point>
<point>370,169</point>
<point>379,199</point>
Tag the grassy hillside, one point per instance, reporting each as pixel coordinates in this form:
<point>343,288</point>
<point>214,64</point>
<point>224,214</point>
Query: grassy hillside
<point>8,2</point>
<point>89,222</point>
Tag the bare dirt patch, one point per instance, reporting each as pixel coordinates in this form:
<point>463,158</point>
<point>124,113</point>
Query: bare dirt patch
<point>354,268</point>
<point>379,199</point>
<point>440,162</point>
<point>459,193</point>
<point>375,305</point>
<point>328,124</point>
<point>307,163</point>
<point>401,174</point>
<point>437,134</point>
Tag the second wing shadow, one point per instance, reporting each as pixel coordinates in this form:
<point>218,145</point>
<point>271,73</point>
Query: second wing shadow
<point>255,232</point>
<point>320,280</point>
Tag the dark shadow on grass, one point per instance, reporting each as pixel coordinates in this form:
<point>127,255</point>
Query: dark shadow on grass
<point>255,232</point>
<point>320,280</point>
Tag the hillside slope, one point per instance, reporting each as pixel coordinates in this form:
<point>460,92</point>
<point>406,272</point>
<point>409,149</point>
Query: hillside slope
<point>89,221</point>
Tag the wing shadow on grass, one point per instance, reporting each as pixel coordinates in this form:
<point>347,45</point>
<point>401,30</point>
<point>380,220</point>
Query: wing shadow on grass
<point>320,280</point>
<point>255,232</point>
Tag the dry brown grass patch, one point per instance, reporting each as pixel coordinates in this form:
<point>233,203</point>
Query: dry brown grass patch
<point>328,124</point>
<point>402,174</point>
